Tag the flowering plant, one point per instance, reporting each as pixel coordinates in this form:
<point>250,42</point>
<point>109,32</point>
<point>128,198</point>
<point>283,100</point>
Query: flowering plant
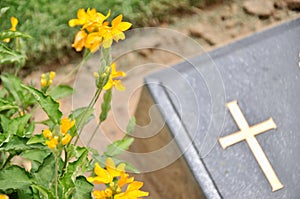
<point>51,163</point>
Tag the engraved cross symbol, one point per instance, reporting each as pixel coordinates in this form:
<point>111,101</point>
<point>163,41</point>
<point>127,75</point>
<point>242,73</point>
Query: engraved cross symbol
<point>248,134</point>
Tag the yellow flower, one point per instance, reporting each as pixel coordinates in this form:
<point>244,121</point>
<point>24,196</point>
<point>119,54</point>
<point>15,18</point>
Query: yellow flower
<point>66,139</point>
<point>52,75</point>
<point>106,176</point>
<point>132,191</point>
<point>114,83</point>
<point>3,196</point>
<point>114,79</point>
<point>96,20</point>
<point>96,31</point>
<point>115,32</point>
<point>52,142</point>
<point>90,20</point>
<point>14,22</point>
<point>43,82</point>
<point>93,41</point>
<point>66,125</point>
<point>124,179</point>
<point>47,133</point>
<point>102,194</point>
<point>47,79</point>
<point>80,40</point>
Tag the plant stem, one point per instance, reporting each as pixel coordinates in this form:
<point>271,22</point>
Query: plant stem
<point>106,56</point>
<point>65,163</point>
<point>91,104</point>
<point>94,133</point>
<point>56,177</point>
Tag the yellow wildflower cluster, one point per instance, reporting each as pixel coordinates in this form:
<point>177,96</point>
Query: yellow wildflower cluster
<point>96,31</point>
<point>14,22</point>
<point>113,79</point>
<point>47,79</point>
<point>63,137</point>
<point>115,178</point>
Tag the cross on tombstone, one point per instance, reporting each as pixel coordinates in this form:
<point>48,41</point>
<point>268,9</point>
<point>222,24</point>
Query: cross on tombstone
<point>248,134</point>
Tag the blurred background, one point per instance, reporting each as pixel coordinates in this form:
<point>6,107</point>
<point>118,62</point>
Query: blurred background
<point>211,22</point>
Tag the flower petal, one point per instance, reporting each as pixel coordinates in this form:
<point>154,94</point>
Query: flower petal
<point>102,177</point>
<point>134,186</point>
<point>107,42</point>
<point>116,20</point>
<point>108,85</point>
<point>124,26</point>
<point>119,85</point>
<point>66,139</point>
<point>79,41</point>
<point>14,22</point>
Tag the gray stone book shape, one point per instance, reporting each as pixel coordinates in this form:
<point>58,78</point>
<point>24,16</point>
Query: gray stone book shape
<point>261,72</point>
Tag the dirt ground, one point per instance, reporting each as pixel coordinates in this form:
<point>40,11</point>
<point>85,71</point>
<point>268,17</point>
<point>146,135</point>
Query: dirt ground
<point>148,50</point>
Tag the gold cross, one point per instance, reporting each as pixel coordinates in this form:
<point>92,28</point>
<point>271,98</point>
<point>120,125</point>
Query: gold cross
<point>248,134</point>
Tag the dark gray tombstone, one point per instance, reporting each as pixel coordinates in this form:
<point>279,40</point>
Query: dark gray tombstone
<point>261,72</point>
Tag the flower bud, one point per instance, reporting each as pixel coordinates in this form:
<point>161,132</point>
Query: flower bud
<point>52,75</point>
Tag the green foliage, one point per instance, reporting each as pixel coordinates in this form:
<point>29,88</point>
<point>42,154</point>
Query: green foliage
<point>83,188</point>
<point>48,104</point>
<point>82,115</point>
<point>61,91</point>
<point>10,34</point>
<point>49,164</point>
<point>47,20</point>
<point>118,147</point>
<point>105,107</point>
<point>14,177</point>
<point>131,126</point>
<point>17,139</point>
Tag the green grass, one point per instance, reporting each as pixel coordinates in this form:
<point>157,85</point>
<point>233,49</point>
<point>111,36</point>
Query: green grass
<point>46,20</point>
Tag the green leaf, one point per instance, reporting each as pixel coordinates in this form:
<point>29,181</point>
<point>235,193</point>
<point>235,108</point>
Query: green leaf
<point>4,124</point>
<point>48,123</point>
<point>8,56</point>
<point>130,167</point>
<point>3,11</point>
<point>17,125</point>
<point>44,191</point>
<point>118,147</point>
<point>61,91</point>
<point>48,104</point>
<point>13,85</point>
<point>83,188</point>
<point>38,138</point>
<point>36,155</point>
<point>3,93</point>
<point>12,34</point>
<point>18,144</point>
<point>105,107</point>
<point>74,169</point>
<point>24,193</point>
<point>131,125</point>
<point>14,177</point>
<point>6,105</point>
<point>81,115</point>
<point>46,173</point>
